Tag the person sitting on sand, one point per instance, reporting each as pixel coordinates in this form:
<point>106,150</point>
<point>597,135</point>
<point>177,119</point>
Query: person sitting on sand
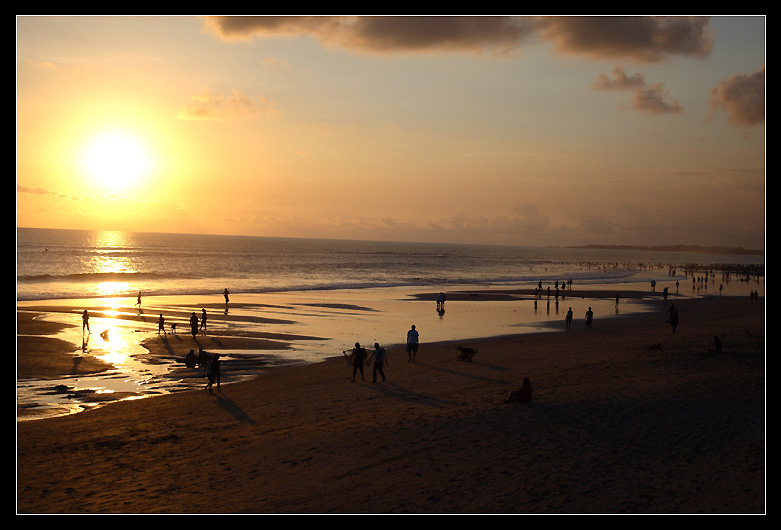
<point>190,359</point>
<point>203,359</point>
<point>522,395</point>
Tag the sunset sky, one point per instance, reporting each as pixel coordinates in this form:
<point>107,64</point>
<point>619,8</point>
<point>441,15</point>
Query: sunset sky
<point>507,130</point>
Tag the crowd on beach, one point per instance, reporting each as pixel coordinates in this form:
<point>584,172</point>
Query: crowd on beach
<point>210,364</point>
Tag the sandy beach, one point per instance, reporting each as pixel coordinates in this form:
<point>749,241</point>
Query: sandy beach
<point>614,426</point>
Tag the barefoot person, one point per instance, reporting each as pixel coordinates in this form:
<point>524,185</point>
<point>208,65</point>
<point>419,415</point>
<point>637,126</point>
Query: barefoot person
<point>358,357</point>
<point>380,361</point>
<point>413,338</point>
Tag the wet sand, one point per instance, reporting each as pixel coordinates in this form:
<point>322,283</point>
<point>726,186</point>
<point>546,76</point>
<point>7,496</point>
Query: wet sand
<point>614,426</point>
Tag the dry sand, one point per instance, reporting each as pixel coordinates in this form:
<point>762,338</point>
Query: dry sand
<point>612,428</point>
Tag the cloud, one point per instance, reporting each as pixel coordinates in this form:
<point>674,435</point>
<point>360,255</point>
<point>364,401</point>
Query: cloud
<point>385,33</point>
<point>642,38</point>
<point>742,97</point>
<point>34,191</point>
<point>619,80</point>
<point>209,106</point>
<point>653,99</point>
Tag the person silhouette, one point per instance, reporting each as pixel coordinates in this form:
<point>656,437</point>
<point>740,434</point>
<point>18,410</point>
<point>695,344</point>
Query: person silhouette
<point>413,339</point>
<point>380,361</point>
<point>358,357</point>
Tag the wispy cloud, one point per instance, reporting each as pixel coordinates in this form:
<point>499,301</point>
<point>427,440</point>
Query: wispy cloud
<point>218,107</point>
<point>653,99</point>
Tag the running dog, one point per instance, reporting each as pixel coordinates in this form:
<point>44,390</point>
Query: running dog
<point>466,354</point>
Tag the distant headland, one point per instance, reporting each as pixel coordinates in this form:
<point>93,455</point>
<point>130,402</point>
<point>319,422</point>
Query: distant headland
<point>680,248</point>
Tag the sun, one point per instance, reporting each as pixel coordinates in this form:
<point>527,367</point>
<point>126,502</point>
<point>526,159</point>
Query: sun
<point>116,160</point>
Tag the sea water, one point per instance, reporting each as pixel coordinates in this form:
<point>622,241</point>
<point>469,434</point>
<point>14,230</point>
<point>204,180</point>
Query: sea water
<point>56,264</point>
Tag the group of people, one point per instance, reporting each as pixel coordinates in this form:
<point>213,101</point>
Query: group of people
<point>589,317</point>
<point>358,356</point>
<point>209,364</point>
<point>195,324</point>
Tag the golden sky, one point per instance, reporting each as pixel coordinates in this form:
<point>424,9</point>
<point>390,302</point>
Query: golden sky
<point>508,130</point>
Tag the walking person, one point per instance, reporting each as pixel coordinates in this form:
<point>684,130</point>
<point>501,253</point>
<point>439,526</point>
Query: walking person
<point>413,339</point>
<point>568,319</point>
<point>213,372</point>
<point>85,322</point>
<point>380,361</point>
<point>161,325</point>
<point>194,324</point>
<point>673,320</point>
<point>203,319</point>
<point>589,318</point>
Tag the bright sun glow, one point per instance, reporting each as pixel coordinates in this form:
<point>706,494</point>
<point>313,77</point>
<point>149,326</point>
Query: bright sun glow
<point>116,160</point>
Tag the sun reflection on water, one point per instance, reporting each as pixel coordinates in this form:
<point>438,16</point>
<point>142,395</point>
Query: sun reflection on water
<point>109,248</point>
<point>112,288</point>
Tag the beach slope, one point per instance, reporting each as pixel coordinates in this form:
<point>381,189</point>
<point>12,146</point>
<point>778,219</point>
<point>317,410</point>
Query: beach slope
<point>614,426</point>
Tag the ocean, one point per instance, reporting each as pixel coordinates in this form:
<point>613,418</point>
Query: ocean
<point>55,264</point>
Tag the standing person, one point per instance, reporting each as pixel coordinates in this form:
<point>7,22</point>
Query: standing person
<point>673,317</point>
<point>138,303</point>
<point>568,319</point>
<point>358,357</point>
<point>85,322</point>
<point>161,325</point>
<point>203,319</point>
<point>589,318</point>
<point>380,361</point>
<point>194,324</point>
<point>225,293</point>
<point>203,360</point>
<point>413,339</point>
<point>441,302</point>
<point>213,372</point>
